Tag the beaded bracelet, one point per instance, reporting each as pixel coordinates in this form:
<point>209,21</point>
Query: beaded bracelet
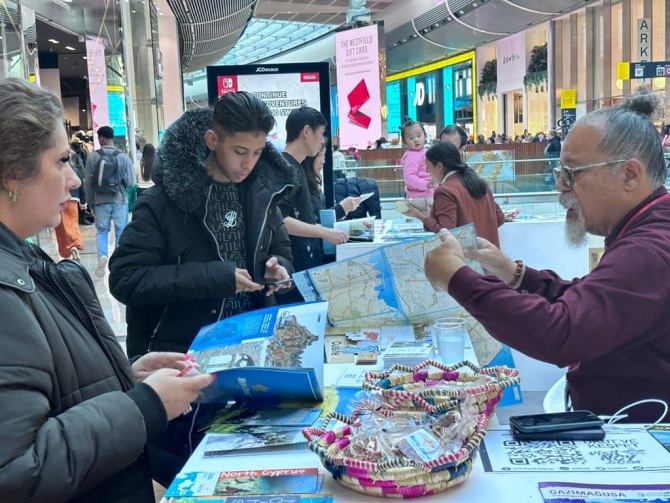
<point>517,273</point>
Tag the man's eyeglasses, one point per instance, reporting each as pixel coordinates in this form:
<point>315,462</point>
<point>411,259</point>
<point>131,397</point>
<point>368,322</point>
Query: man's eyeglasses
<point>567,174</point>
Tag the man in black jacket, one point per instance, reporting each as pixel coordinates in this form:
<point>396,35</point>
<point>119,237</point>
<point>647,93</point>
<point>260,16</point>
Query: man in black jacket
<point>199,238</point>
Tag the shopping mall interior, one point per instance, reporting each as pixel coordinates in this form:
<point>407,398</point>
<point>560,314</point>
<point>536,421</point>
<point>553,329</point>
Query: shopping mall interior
<point>514,76</point>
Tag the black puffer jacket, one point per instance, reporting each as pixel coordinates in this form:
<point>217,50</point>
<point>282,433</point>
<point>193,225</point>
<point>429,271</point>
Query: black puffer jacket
<point>167,269</point>
<point>73,426</point>
<point>355,186</point>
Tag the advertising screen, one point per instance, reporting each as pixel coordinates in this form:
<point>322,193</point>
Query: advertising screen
<point>358,92</point>
<point>283,87</point>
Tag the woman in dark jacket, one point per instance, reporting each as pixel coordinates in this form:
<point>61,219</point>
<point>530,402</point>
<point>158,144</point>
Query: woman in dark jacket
<point>73,420</point>
<point>199,238</point>
<point>313,167</point>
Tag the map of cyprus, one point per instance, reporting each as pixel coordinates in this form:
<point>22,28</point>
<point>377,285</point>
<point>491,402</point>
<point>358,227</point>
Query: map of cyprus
<point>388,286</point>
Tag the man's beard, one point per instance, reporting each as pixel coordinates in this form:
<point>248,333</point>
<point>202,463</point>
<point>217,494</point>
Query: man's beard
<point>575,232</point>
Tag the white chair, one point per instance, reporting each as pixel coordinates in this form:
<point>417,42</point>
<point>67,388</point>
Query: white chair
<point>554,400</point>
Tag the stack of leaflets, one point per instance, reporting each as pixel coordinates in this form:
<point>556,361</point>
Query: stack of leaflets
<point>302,484</point>
<point>409,353</point>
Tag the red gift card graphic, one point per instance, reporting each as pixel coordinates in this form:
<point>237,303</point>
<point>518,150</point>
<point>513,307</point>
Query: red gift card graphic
<point>358,96</point>
<point>360,118</point>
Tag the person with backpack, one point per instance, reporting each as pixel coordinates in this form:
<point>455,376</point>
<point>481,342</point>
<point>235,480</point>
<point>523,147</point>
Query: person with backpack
<point>108,172</point>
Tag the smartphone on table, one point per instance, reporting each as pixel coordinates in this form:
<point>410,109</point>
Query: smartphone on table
<point>558,421</point>
<point>588,434</point>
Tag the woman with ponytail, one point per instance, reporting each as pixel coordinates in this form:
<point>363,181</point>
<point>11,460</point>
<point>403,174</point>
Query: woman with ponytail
<point>461,197</point>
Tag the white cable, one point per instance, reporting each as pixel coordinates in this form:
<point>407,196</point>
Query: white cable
<point>446,2</point>
<point>508,2</point>
<point>190,431</point>
<point>617,416</point>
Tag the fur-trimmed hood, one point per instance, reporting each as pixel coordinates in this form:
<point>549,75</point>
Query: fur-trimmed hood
<point>181,168</point>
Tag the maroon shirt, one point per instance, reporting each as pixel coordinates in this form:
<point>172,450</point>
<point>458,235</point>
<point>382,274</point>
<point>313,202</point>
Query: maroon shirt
<point>611,327</point>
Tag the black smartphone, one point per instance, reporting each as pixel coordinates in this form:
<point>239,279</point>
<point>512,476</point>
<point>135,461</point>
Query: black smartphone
<point>589,434</point>
<point>268,282</point>
<point>558,421</point>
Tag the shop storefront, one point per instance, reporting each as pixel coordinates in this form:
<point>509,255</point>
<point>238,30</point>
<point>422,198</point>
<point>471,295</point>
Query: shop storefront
<point>601,36</point>
<point>437,95</point>
<point>513,87</point>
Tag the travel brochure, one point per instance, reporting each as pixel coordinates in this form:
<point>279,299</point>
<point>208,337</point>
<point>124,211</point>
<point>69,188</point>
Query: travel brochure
<point>564,492</point>
<point>237,439</point>
<point>267,498</point>
<point>245,482</point>
<point>264,356</point>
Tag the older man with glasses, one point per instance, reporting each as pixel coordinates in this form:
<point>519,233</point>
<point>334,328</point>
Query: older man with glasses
<point>611,328</point>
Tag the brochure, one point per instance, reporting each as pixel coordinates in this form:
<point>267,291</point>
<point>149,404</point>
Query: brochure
<point>268,498</point>
<point>264,356</point>
<point>361,229</point>
<point>236,439</point>
<point>245,482</point>
<point>662,434</point>
<point>281,416</point>
<point>564,492</point>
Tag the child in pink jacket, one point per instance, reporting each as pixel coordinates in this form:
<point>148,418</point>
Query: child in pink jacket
<point>418,183</point>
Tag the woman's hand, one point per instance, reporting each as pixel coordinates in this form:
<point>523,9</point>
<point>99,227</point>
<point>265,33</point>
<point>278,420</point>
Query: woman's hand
<point>244,283</point>
<point>349,204</point>
<point>335,236</point>
<point>151,362</point>
<point>415,212</point>
<point>177,393</point>
<point>275,272</point>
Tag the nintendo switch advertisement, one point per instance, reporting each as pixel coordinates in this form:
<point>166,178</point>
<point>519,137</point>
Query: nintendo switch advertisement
<point>358,92</point>
<point>281,91</point>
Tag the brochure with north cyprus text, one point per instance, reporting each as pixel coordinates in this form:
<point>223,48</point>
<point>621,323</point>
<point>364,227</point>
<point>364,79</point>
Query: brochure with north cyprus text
<point>264,356</point>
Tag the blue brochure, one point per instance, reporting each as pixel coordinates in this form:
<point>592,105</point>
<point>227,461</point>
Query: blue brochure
<point>264,356</point>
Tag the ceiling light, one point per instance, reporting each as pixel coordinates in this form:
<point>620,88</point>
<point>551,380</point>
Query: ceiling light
<point>84,57</point>
<point>69,48</point>
<point>54,41</point>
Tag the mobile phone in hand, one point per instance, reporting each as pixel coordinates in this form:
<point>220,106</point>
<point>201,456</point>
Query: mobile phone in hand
<point>268,282</point>
<point>558,421</point>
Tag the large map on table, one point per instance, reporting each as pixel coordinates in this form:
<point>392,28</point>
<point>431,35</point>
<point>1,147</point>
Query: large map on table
<point>388,286</point>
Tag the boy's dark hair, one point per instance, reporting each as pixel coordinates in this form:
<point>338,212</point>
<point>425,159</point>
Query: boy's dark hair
<point>462,134</point>
<point>447,153</point>
<point>301,117</point>
<point>241,112</point>
<point>409,123</point>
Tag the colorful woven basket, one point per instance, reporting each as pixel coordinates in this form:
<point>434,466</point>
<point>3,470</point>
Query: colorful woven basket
<point>413,392</point>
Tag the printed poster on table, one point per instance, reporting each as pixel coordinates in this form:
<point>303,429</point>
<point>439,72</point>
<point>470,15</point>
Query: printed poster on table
<point>564,492</point>
<point>358,91</point>
<point>622,450</point>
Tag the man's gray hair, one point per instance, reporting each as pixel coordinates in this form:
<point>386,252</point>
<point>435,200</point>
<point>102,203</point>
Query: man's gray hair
<point>629,133</point>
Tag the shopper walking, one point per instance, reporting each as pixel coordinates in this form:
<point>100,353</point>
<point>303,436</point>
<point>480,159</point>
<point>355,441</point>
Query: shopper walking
<point>108,173</point>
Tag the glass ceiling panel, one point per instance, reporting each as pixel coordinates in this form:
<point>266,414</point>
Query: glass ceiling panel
<point>264,38</point>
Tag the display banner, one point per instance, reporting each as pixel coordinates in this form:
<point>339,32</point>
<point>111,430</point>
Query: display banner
<point>358,91</point>
<point>283,87</point>
<point>282,92</point>
<point>394,106</point>
<point>97,84</point>
<point>511,54</point>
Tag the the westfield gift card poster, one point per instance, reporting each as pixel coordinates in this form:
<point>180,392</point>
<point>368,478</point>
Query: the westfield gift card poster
<point>358,95</point>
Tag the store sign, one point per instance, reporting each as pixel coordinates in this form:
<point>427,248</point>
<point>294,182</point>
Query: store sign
<point>393,104</point>
<point>511,54</point>
<point>358,86</point>
<point>643,40</point>
<point>97,84</point>
<point>424,97</point>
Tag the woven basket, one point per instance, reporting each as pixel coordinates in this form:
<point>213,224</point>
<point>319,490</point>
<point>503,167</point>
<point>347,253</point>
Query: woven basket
<point>413,392</point>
